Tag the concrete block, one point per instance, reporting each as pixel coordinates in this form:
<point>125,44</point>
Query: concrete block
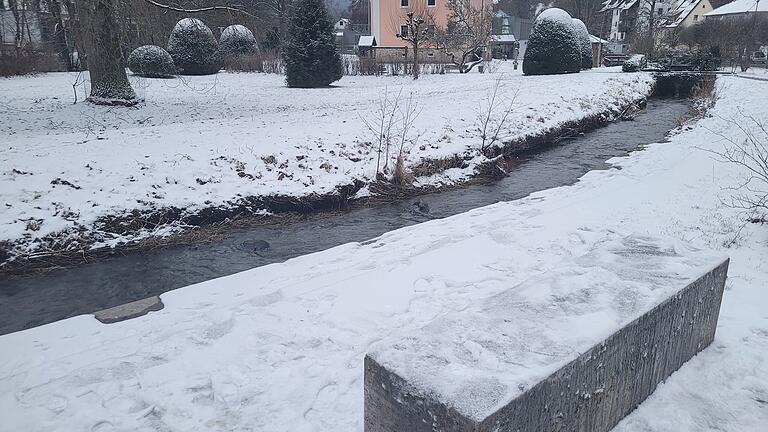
<point>575,349</point>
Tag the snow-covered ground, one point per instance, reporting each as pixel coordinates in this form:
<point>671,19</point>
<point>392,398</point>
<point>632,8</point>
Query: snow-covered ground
<point>211,141</point>
<point>758,72</point>
<point>280,348</point>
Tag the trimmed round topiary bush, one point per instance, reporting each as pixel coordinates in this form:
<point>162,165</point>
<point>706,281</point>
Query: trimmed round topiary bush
<point>309,54</point>
<point>151,61</point>
<point>237,40</point>
<point>553,47</point>
<point>194,49</point>
<point>585,44</point>
<point>634,64</point>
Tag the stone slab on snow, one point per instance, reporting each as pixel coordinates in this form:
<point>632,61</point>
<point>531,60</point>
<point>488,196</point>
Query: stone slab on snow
<point>577,348</point>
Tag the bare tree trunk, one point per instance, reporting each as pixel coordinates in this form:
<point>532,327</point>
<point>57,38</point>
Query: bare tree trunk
<point>652,27</point>
<point>416,61</point>
<point>101,33</point>
<point>60,33</point>
<point>18,12</point>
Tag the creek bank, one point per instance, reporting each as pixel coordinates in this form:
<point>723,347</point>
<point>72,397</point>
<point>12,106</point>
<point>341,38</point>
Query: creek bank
<point>173,226</point>
<point>248,242</point>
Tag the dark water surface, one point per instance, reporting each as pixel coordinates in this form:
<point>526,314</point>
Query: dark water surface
<point>36,300</point>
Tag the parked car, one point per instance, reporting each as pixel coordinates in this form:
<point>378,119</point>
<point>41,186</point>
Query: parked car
<point>758,57</point>
<point>635,63</point>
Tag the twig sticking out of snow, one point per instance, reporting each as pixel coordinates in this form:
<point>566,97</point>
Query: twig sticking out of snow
<point>493,115</point>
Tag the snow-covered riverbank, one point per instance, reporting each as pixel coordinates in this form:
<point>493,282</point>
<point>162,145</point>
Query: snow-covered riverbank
<point>224,141</point>
<point>280,347</point>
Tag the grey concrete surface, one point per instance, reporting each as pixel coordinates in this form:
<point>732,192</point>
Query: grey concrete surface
<point>591,393</point>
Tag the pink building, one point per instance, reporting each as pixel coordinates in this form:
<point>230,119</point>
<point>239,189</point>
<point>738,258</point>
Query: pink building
<point>388,17</point>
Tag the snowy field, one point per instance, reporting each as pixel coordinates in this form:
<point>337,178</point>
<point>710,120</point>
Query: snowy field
<point>211,141</point>
<point>280,348</point>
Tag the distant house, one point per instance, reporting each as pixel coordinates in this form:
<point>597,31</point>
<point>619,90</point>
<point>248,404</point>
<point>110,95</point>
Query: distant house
<point>346,36</point>
<point>685,14</point>
<point>598,50</point>
<point>509,35</point>
<point>740,9</point>
<point>388,17</point>
<point>627,16</point>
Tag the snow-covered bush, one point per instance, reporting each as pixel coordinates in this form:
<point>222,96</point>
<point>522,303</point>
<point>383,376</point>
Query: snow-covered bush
<point>585,44</point>
<point>152,62</point>
<point>194,49</point>
<point>240,50</point>
<point>553,46</point>
<point>237,40</point>
<point>634,63</point>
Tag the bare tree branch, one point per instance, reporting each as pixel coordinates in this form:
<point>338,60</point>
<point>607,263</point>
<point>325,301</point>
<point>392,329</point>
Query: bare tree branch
<point>198,10</point>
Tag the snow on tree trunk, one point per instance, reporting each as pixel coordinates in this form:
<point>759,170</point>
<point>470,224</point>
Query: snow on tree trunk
<point>109,81</point>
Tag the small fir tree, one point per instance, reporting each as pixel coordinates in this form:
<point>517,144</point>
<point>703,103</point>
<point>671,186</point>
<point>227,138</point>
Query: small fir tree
<point>309,54</point>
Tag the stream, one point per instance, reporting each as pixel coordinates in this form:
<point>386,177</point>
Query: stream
<point>38,299</point>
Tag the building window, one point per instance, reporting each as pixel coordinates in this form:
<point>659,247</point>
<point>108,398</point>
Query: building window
<point>431,2</point>
<point>404,30</point>
<point>403,3</point>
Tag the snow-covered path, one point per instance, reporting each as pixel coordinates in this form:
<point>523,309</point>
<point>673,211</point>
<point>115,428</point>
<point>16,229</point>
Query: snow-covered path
<point>210,141</point>
<point>280,347</point>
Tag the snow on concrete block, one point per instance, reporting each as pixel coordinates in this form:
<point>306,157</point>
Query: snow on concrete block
<point>130,310</point>
<point>575,349</point>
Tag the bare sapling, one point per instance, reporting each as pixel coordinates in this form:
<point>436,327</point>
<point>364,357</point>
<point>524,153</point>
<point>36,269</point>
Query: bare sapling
<point>750,152</point>
<point>380,126</point>
<point>494,114</point>
<point>409,112</point>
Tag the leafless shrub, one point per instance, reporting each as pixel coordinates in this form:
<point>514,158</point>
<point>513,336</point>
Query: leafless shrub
<point>493,115</point>
<point>704,95</point>
<point>273,66</point>
<point>390,126</point>
<point>750,152</point>
<point>408,114</point>
<point>244,63</point>
<point>26,61</point>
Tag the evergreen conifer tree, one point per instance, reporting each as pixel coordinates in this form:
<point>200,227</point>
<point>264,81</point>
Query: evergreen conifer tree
<point>309,54</point>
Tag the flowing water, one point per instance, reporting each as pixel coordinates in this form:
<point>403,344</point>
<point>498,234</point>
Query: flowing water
<point>31,301</point>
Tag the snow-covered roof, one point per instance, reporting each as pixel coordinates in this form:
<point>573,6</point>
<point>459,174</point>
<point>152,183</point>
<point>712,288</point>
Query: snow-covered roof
<point>341,24</point>
<point>611,4</point>
<point>628,4</point>
<point>595,39</point>
<point>618,4</point>
<point>680,12</point>
<point>503,38</point>
<point>366,41</point>
<point>740,7</point>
